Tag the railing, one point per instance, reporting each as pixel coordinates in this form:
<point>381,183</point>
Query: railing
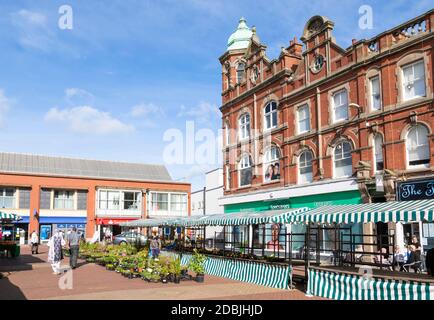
<point>408,30</point>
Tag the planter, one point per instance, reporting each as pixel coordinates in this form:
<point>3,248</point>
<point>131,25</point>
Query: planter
<point>200,278</point>
<point>176,279</point>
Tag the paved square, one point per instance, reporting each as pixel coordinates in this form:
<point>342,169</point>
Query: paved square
<point>30,277</point>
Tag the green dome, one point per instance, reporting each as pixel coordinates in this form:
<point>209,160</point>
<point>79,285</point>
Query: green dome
<point>240,39</point>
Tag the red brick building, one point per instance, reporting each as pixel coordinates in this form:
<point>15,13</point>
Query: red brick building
<point>356,121</point>
<point>55,192</point>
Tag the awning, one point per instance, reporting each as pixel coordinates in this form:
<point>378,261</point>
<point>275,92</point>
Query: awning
<point>9,216</point>
<point>112,221</point>
<point>394,211</point>
<point>228,219</point>
<point>240,218</point>
<point>63,220</point>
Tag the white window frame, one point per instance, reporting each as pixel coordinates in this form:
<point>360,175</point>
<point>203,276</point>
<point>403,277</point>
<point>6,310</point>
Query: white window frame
<point>374,140</point>
<point>243,165</point>
<point>372,93</point>
<point>169,203</point>
<point>304,165</point>
<point>64,196</point>
<point>243,77</point>
<point>183,203</point>
<point>422,165</point>
<point>299,119</point>
<point>405,83</point>
<point>341,159</point>
<point>4,197</point>
<point>338,92</point>
<point>270,158</point>
<point>244,126</point>
<point>271,114</point>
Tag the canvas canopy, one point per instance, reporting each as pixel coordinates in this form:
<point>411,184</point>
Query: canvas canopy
<point>9,216</point>
<point>394,211</point>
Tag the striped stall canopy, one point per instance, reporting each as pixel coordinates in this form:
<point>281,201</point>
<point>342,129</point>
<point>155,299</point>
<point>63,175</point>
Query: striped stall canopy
<point>342,286</point>
<point>240,218</point>
<point>269,275</point>
<point>9,216</point>
<point>394,211</point>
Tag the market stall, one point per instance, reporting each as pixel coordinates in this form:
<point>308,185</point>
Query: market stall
<point>361,278</point>
<point>9,245</point>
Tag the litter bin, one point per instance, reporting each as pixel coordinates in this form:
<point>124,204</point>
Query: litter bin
<point>15,251</point>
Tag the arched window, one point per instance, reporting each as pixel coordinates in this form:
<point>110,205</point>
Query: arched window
<point>245,171</point>
<point>418,154</point>
<point>270,115</point>
<point>378,152</point>
<point>241,71</point>
<point>305,167</point>
<point>244,126</point>
<point>343,165</point>
<point>340,105</point>
<point>271,164</point>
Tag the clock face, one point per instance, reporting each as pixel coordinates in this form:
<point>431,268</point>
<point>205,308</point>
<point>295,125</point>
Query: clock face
<point>318,63</point>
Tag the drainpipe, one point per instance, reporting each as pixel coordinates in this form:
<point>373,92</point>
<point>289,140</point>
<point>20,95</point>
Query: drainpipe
<point>318,125</point>
<point>255,133</point>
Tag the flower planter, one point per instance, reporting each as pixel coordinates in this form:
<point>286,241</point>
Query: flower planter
<point>200,278</point>
<point>177,280</point>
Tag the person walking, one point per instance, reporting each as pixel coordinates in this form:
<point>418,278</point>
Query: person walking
<point>55,253</point>
<point>155,245</point>
<point>74,245</point>
<point>34,241</point>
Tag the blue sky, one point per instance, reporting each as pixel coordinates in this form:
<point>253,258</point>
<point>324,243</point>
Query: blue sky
<point>129,70</point>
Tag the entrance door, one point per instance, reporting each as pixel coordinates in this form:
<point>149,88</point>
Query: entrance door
<point>382,235</point>
<point>410,230</point>
<point>45,232</point>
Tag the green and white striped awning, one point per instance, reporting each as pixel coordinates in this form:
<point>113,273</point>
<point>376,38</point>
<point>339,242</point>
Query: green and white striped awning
<point>394,211</point>
<point>227,219</point>
<point>9,216</point>
<point>238,218</point>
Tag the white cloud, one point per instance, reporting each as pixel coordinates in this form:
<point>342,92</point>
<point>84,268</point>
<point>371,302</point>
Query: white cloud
<point>33,30</point>
<point>32,17</point>
<point>147,114</point>
<point>144,110</point>
<point>5,105</point>
<point>86,119</point>
<point>77,96</point>
<point>204,112</point>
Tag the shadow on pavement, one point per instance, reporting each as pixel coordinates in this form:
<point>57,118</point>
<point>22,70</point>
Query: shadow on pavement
<point>20,263</point>
<point>8,291</point>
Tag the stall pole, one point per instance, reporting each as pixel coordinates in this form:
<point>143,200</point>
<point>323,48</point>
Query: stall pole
<point>263,240</point>
<point>224,240</point>
<point>251,239</point>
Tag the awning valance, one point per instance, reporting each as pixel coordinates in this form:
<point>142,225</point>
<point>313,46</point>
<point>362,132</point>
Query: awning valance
<point>9,216</point>
<point>228,219</point>
<point>394,211</point>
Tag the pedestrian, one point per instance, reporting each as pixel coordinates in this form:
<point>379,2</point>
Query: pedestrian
<point>74,245</point>
<point>55,253</point>
<point>34,240</point>
<point>155,245</point>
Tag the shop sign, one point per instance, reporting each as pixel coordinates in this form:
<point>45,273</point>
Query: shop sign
<point>415,190</point>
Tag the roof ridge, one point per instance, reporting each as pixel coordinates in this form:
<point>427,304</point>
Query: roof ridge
<point>77,158</point>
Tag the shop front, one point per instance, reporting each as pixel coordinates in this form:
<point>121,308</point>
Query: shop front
<point>47,225</point>
<point>265,234</point>
<point>110,226</point>
<point>420,189</point>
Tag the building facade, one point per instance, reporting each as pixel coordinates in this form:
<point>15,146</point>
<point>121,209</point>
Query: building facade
<point>59,193</point>
<point>206,201</point>
<point>322,124</point>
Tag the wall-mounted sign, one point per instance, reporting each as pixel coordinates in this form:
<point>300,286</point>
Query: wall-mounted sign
<point>415,190</point>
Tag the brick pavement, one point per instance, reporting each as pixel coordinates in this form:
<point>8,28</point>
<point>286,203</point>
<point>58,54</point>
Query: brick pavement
<point>30,277</point>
